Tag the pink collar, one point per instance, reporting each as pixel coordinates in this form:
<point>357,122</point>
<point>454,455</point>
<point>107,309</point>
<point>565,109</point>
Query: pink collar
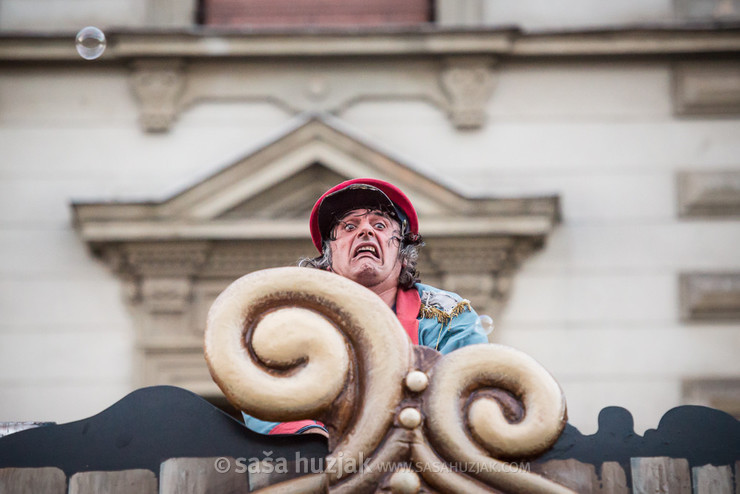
<point>408,305</point>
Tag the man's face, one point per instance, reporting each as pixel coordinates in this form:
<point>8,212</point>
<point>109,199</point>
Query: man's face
<point>366,249</point>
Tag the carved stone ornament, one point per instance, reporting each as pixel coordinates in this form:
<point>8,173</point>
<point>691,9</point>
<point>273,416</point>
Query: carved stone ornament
<point>158,85</point>
<point>295,343</point>
<point>468,83</point>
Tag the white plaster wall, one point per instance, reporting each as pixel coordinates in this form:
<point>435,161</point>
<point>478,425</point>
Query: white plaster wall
<point>70,15</point>
<point>66,340</point>
<point>599,305</point>
<point>544,14</point>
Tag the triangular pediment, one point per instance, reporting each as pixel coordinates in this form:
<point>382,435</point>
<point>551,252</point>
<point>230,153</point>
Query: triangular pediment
<point>270,191</point>
<point>291,198</point>
<point>177,255</point>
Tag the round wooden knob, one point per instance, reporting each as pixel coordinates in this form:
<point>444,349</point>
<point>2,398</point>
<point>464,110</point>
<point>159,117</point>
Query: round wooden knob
<point>410,418</point>
<point>417,381</point>
<point>405,481</point>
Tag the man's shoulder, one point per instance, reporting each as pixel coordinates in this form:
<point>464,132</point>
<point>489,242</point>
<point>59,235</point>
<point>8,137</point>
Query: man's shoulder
<point>440,304</point>
<point>431,292</point>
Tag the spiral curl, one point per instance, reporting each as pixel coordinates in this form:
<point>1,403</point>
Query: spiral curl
<point>288,343</point>
<point>469,427</point>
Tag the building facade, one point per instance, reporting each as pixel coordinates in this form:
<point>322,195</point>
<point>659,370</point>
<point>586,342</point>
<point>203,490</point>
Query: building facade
<point>576,170</point>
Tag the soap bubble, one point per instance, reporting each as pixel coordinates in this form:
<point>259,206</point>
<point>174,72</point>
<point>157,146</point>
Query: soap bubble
<point>484,324</point>
<point>90,42</point>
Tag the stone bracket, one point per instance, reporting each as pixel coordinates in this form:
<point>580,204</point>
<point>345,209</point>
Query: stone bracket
<point>459,86</point>
<point>468,83</point>
<point>710,296</point>
<point>158,86</point>
<point>709,194</point>
<point>706,88</point>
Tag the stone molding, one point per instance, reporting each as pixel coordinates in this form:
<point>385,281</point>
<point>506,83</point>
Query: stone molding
<point>165,295</point>
<point>314,153</point>
<point>283,46</point>
<point>174,257</point>
<point>458,86</point>
<point>710,296</point>
<point>713,194</point>
<point>706,88</point>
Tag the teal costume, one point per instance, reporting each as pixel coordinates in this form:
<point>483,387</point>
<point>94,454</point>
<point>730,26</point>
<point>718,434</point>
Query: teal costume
<point>446,321</point>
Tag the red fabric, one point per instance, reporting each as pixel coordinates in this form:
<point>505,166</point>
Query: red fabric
<point>293,427</point>
<point>394,194</point>
<point>408,304</point>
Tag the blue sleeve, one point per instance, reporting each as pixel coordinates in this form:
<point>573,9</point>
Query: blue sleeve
<point>461,331</point>
<point>257,425</point>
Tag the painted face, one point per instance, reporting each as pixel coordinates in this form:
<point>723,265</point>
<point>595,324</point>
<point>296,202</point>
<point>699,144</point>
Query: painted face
<point>366,248</point>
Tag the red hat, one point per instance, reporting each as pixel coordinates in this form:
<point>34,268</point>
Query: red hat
<point>356,194</point>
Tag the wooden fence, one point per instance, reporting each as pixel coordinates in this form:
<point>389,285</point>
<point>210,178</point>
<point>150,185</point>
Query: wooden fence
<point>166,440</point>
<point>660,475</point>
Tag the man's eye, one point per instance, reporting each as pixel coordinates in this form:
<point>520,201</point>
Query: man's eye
<point>380,226</point>
<point>348,227</point>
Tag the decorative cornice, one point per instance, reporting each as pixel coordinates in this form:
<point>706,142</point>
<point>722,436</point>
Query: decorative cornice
<point>140,231</point>
<point>318,147</point>
<point>430,41</point>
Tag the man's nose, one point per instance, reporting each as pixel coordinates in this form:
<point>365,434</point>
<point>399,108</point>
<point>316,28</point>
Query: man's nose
<point>366,229</point>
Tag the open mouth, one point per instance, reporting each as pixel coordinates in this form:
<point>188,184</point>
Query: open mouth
<point>367,251</point>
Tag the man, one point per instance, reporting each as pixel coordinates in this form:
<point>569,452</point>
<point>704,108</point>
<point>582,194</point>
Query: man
<point>367,231</point>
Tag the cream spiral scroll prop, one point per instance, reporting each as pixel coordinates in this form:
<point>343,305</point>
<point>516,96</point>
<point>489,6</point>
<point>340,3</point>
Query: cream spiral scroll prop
<point>296,343</point>
<point>524,419</point>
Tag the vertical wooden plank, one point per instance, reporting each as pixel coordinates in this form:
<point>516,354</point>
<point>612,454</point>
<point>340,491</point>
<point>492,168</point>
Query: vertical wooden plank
<point>613,479</point>
<point>262,474</point>
<point>122,482</point>
<point>47,480</point>
<point>712,480</point>
<point>660,475</point>
<point>202,476</point>
<point>578,476</point>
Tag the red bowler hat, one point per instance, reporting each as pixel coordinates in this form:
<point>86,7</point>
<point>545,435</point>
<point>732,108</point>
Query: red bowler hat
<point>360,193</point>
